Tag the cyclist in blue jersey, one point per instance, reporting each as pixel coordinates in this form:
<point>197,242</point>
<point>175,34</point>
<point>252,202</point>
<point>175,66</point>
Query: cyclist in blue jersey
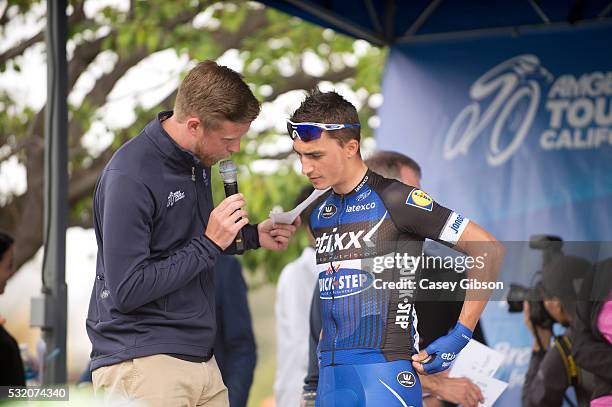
<point>364,225</point>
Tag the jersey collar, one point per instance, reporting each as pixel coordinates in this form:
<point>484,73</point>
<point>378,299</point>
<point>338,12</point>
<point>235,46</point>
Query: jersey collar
<point>359,186</point>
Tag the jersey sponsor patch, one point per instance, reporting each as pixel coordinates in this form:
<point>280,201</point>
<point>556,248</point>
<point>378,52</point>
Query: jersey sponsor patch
<point>406,379</point>
<point>343,282</point>
<point>455,225</point>
<point>328,211</point>
<point>420,199</point>
<point>364,195</point>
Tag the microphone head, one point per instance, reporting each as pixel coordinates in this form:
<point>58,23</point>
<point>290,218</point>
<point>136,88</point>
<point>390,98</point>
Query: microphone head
<point>228,171</point>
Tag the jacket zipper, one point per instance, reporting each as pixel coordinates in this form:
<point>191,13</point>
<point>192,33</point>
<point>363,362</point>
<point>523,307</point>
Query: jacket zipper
<point>195,189</point>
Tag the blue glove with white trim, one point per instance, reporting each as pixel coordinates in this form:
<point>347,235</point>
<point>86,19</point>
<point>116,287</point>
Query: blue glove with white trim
<point>444,350</point>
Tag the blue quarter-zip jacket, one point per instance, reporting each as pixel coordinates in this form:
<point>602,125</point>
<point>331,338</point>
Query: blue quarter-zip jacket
<point>154,287</point>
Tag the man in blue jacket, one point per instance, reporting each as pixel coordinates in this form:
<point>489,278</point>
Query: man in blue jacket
<point>151,316</point>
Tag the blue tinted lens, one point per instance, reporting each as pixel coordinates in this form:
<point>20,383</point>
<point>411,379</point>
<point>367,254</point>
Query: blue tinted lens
<point>309,133</point>
<point>304,131</point>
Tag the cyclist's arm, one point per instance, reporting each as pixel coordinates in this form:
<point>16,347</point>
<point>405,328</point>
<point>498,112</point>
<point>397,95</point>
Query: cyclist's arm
<point>425,217</point>
<point>477,243</point>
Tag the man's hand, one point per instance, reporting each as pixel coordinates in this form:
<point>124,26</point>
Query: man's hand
<point>439,355</point>
<point>276,236</point>
<point>223,223</point>
<point>2,320</point>
<point>459,390</point>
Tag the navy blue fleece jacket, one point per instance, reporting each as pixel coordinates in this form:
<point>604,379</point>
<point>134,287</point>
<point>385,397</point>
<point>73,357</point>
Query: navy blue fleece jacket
<point>154,287</point>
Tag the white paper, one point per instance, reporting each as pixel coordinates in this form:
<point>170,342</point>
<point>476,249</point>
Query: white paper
<point>479,363</point>
<point>289,217</point>
<point>476,358</point>
<point>490,387</point>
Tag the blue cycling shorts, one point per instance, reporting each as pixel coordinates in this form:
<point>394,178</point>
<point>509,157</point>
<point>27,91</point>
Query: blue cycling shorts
<point>388,384</point>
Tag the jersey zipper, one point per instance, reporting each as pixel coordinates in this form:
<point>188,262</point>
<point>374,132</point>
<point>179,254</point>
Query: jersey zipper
<point>335,275</point>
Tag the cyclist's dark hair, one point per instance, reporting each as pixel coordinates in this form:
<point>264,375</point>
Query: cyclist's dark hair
<point>389,163</point>
<point>329,107</point>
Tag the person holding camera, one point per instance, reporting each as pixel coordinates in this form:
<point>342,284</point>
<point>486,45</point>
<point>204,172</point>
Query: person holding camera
<point>592,334</point>
<point>552,369</point>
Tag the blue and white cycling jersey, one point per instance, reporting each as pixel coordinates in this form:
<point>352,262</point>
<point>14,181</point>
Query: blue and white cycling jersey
<point>365,241</point>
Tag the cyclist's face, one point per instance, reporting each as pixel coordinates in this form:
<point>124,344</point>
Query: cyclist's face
<point>323,161</point>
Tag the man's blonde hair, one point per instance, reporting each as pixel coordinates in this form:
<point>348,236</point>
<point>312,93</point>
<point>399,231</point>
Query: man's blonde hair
<point>213,93</point>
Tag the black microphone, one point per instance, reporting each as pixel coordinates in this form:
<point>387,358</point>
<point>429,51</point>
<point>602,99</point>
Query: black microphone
<point>229,174</point>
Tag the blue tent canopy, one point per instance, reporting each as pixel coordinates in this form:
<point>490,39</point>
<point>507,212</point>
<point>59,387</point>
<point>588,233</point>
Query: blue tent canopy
<point>402,22</point>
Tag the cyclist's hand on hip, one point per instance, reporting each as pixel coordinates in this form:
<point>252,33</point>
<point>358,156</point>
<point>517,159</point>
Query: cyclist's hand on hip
<point>439,355</point>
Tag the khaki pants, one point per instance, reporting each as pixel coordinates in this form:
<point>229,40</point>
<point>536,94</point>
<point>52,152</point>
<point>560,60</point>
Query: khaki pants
<point>161,380</point>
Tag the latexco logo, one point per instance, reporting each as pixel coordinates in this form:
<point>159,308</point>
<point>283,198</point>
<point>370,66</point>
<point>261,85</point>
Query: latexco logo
<point>579,110</point>
<point>359,208</point>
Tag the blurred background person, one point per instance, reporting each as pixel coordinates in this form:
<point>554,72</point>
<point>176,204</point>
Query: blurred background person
<point>552,369</point>
<point>292,311</point>
<point>11,365</point>
<point>592,334</point>
<point>234,346</point>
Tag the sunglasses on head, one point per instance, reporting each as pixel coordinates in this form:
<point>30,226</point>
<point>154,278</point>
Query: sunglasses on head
<point>308,131</point>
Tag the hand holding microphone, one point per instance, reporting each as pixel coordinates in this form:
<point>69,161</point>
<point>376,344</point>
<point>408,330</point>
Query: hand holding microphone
<point>227,219</point>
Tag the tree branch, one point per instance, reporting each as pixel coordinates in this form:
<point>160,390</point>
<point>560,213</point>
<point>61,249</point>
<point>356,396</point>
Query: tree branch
<point>301,80</point>
<point>82,182</point>
<point>76,17</point>
<point>254,21</point>
<point>19,49</point>
<point>4,17</point>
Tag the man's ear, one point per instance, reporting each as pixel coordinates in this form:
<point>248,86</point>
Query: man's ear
<point>352,148</point>
<point>193,125</point>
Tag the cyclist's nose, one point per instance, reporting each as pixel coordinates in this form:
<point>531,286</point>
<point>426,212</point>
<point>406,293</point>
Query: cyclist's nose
<point>306,167</point>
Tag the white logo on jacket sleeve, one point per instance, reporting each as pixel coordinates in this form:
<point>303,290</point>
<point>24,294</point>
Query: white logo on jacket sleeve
<point>174,197</point>
<point>455,225</point>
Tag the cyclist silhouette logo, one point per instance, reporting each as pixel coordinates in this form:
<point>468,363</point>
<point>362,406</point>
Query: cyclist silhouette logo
<point>513,89</point>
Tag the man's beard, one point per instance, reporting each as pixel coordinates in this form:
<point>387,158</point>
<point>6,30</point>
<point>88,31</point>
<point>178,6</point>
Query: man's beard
<point>206,160</point>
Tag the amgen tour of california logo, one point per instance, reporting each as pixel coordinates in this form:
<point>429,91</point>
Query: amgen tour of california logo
<point>579,109</point>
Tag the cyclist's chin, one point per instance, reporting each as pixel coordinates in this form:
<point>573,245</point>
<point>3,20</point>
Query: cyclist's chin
<point>319,183</point>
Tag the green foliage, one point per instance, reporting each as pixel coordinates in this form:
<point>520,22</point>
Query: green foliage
<point>272,53</point>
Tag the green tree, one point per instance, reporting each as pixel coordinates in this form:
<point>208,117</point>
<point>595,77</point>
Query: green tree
<point>273,47</point>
